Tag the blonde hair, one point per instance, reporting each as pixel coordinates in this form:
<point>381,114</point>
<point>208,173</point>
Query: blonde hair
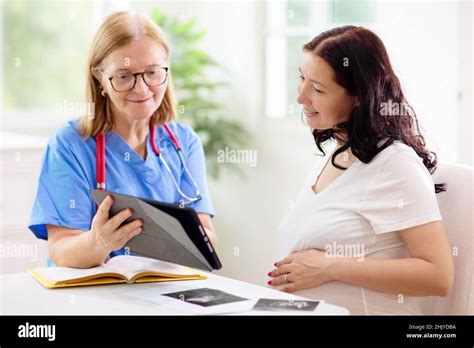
<point>119,29</point>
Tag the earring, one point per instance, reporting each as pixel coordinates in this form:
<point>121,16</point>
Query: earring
<point>102,93</point>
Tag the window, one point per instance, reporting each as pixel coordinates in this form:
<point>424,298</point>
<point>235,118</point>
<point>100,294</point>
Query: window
<point>46,44</point>
<point>289,25</point>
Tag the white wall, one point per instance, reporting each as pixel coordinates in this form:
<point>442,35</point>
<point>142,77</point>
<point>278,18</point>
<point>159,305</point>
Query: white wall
<point>423,41</point>
<point>465,144</point>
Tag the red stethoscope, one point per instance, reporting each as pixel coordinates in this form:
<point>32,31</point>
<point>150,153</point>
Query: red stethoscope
<point>100,164</point>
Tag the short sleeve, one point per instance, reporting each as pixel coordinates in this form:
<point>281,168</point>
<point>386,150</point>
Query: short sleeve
<point>62,197</point>
<point>401,195</point>
<point>196,163</point>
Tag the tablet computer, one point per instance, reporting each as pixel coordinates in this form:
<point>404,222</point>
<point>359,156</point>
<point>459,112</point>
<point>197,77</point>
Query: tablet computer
<point>169,233</point>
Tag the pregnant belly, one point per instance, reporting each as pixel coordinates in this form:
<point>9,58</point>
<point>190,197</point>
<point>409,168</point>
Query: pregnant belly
<point>362,301</point>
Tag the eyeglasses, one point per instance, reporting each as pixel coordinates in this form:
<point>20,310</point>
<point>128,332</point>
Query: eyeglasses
<point>127,81</point>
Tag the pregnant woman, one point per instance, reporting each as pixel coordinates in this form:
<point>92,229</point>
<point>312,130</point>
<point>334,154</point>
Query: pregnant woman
<point>365,231</point>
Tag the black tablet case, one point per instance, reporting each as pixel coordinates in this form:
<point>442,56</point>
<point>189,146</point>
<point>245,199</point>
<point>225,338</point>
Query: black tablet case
<point>170,233</point>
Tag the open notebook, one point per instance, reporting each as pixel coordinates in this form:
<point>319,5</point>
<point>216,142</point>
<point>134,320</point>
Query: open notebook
<point>119,269</point>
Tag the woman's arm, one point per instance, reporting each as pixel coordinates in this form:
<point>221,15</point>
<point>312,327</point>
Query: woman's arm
<point>428,271</point>
<point>74,248</point>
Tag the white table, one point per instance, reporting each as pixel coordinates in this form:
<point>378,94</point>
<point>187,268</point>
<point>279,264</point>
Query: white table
<point>21,294</point>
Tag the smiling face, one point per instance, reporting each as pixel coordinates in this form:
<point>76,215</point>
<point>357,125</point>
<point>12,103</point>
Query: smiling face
<point>325,102</point>
<point>143,54</point>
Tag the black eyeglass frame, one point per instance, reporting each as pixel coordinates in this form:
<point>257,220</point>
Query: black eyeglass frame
<point>135,77</point>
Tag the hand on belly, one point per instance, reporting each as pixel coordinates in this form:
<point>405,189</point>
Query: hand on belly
<point>301,270</point>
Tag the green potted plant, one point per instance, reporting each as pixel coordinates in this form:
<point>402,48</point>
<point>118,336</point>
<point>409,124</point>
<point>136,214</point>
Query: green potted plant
<point>209,118</point>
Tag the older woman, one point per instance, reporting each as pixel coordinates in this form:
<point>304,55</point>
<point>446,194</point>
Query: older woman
<point>131,136</point>
<point>365,231</point>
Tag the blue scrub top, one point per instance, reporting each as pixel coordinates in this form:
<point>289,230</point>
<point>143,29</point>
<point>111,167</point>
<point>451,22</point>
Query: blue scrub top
<point>68,172</point>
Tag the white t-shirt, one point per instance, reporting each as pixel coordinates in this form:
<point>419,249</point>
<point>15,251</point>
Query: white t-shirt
<point>360,214</point>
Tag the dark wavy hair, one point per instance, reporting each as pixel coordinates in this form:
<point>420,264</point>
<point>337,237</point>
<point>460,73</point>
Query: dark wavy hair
<point>362,66</point>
